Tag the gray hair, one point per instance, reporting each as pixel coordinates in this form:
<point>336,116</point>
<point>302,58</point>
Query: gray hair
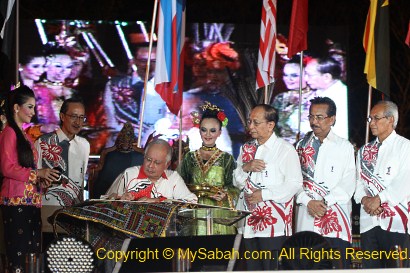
<point>390,110</point>
<point>162,142</point>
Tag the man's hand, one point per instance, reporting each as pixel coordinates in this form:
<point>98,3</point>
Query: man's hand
<point>149,200</point>
<point>48,176</point>
<point>127,196</point>
<point>317,208</point>
<point>372,205</point>
<point>254,198</point>
<point>256,165</point>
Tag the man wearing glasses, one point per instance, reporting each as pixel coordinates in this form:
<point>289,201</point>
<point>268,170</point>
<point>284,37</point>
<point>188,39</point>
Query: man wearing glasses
<point>268,174</point>
<point>383,187</point>
<point>328,169</point>
<point>151,182</point>
<point>67,152</point>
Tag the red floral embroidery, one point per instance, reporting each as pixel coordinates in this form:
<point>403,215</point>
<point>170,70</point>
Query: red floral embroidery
<point>370,153</point>
<point>328,223</point>
<point>261,218</point>
<point>387,211</point>
<point>306,155</point>
<point>51,152</point>
<point>249,151</point>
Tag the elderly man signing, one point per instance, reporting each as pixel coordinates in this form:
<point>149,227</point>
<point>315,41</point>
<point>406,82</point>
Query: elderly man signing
<point>152,182</point>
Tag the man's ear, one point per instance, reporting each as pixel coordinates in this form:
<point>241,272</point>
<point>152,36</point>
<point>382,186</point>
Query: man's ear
<point>333,118</point>
<point>328,77</point>
<point>272,124</point>
<point>169,163</point>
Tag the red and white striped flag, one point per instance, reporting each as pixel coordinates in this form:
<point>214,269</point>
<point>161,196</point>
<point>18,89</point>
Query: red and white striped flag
<point>267,43</point>
<point>170,52</point>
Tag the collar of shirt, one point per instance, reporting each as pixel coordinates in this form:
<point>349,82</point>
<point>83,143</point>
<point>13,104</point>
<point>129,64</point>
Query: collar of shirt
<point>269,143</point>
<point>62,136</point>
<point>143,175</point>
<point>330,136</point>
<point>388,139</point>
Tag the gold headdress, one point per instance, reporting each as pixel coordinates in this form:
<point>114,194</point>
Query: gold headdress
<point>220,115</point>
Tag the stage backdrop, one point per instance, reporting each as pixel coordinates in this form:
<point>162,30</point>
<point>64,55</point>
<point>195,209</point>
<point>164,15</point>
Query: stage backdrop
<point>104,62</point>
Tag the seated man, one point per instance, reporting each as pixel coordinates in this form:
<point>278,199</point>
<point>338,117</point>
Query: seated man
<point>151,182</point>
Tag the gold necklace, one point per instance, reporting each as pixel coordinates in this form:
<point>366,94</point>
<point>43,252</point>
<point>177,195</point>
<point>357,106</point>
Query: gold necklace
<point>206,148</point>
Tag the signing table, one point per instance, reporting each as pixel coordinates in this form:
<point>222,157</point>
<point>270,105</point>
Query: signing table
<point>111,224</point>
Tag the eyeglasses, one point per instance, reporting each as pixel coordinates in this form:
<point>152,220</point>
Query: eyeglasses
<point>150,160</point>
<point>317,117</point>
<point>76,118</point>
<point>376,119</point>
<point>255,122</point>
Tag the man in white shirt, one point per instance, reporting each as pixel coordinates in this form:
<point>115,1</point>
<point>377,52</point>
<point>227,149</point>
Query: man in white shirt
<point>268,174</point>
<point>323,75</point>
<point>152,182</point>
<point>328,170</point>
<point>67,152</point>
<point>383,186</point>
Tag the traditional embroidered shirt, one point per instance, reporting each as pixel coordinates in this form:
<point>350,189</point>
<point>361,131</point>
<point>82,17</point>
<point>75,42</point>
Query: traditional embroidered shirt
<point>328,171</point>
<point>170,185</point>
<point>279,182</point>
<point>55,150</point>
<point>385,171</point>
<point>17,187</point>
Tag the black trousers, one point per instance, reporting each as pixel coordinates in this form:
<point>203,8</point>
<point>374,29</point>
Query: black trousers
<point>378,239</point>
<point>22,234</point>
<point>257,256</point>
<point>340,245</point>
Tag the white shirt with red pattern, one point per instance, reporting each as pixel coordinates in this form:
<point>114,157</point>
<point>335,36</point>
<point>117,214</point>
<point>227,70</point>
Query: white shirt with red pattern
<point>279,182</point>
<point>170,185</point>
<point>385,173</point>
<point>332,178</point>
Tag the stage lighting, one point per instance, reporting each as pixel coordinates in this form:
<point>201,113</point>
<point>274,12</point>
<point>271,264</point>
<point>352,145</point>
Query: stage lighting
<point>69,254</point>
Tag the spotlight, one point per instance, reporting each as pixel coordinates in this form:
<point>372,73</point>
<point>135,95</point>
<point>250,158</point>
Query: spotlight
<point>69,254</point>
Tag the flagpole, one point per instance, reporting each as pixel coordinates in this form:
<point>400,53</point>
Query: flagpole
<point>369,103</point>
<point>180,135</point>
<point>144,94</point>
<point>17,42</point>
<point>300,95</point>
<point>266,94</point>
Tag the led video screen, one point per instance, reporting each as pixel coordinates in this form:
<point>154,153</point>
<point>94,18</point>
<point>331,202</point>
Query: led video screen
<point>105,63</point>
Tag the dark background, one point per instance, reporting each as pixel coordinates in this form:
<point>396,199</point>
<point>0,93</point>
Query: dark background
<point>348,14</point>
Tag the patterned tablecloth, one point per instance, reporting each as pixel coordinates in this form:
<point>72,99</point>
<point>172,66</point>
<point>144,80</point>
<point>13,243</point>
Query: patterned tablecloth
<point>108,223</point>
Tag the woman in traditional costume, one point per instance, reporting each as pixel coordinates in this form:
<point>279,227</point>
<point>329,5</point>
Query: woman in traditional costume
<point>208,170</point>
<point>51,92</point>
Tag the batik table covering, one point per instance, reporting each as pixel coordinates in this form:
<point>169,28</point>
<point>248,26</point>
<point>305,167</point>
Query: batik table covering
<point>108,223</point>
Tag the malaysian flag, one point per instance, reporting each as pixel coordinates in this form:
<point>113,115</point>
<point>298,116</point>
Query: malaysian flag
<point>170,51</point>
<point>267,43</point>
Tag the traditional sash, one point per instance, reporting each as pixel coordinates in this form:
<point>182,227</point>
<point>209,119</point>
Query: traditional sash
<point>335,219</point>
